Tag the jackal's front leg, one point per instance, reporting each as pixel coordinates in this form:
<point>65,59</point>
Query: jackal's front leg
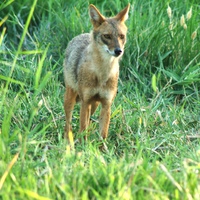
<point>69,101</point>
<point>104,120</point>
<point>85,113</point>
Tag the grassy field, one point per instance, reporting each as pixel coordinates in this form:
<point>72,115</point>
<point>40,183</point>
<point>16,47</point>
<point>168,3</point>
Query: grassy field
<point>153,148</point>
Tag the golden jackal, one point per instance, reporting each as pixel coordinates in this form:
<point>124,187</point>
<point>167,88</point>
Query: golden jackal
<point>91,68</point>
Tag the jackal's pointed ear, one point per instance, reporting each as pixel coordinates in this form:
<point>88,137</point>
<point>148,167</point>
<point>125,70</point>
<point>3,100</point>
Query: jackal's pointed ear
<point>96,17</point>
<point>123,15</point>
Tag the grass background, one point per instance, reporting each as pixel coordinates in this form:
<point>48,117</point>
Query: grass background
<point>153,149</point>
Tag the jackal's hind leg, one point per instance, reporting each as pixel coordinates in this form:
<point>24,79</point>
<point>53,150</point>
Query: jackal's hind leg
<point>85,113</point>
<point>104,119</point>
<point>94,106</point>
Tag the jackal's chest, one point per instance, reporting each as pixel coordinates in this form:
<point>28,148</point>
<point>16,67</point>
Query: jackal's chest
<point>99,94</point>
<point>99,90</point>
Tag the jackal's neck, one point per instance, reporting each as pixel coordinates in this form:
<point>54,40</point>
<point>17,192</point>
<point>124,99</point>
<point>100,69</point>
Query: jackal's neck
<point>103,65</point>
<point>101,58</point>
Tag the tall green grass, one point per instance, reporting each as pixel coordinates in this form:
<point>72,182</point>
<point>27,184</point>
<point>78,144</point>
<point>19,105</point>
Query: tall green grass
<point>152,151</point>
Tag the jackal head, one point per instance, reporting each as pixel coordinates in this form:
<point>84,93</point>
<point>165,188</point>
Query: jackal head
<point>110,33</point>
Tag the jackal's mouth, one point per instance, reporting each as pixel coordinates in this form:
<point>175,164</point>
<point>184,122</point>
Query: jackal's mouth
<point>116,52</point>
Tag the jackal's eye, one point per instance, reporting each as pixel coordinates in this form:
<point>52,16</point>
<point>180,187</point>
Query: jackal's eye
<point>107,36</point>
<point>121,36</point>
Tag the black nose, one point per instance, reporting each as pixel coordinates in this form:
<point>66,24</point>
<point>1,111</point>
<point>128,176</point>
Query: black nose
<point>118,51</point>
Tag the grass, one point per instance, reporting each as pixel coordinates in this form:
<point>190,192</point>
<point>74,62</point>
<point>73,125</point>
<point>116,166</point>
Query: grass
<point>153,149</point>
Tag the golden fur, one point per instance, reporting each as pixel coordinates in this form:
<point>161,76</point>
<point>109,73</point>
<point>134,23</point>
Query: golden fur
<point>91,68</point>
